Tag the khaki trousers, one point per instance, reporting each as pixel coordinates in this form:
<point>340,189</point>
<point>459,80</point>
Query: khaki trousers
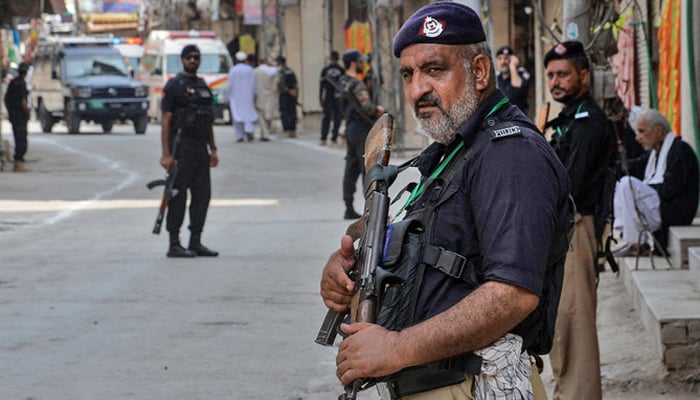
<point>463,391</point>
<point>574,356</point>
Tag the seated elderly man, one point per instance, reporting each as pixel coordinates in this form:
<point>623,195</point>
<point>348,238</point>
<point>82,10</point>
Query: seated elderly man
<point>667,193</point>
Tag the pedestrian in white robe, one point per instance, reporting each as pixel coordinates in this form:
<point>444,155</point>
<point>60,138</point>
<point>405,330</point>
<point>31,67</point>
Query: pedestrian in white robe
<point>240,91</point>
<point>267,100</point>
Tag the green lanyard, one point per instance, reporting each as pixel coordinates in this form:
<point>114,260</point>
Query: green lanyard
<point>419,189</point>
<point>578,110</point>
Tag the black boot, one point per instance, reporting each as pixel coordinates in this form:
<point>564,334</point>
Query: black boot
<point>176,249</point>
<point>199,249</point>
<point>350,212</point>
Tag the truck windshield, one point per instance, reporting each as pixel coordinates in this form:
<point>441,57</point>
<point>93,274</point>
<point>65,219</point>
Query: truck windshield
<point>210,64</point>
<point>92,64</point>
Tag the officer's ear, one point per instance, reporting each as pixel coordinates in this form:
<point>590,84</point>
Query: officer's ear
<point>481,71</point>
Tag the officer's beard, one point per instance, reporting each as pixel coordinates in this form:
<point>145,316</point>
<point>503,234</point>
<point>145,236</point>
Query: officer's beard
<point>191,68</point>
<point>443,128</point>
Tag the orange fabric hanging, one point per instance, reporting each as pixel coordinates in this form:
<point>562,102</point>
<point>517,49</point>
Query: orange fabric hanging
<point>670,64</point>
<point>358,35</point>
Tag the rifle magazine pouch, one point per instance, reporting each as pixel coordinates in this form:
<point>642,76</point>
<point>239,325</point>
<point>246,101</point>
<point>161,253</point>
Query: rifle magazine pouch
<point>402,258</point>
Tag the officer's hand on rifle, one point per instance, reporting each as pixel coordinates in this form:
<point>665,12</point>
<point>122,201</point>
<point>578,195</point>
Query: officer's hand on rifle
<point>369,351</point>
<point>336,285</point>
<point>166,161</point>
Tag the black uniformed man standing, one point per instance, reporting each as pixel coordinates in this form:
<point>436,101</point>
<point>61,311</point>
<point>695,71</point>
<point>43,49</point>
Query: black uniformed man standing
<point>583,145</point>
<point>18,111</point>
<point>187,126</point>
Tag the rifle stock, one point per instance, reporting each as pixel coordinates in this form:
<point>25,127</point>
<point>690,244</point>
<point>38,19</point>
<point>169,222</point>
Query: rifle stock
<point>366,273</point>
<point>542,117</point>
<point>168,191</point>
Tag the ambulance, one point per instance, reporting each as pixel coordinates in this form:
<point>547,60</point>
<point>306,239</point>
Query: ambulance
<point>161,62</point>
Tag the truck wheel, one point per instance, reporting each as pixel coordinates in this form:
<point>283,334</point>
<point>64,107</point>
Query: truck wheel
<point>72,119</point>
<point>107,126</point>
<point>44,118</point>
<point>141,123</point>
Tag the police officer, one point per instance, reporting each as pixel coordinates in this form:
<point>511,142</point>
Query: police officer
<point>583,143</point>
<point>360,114</point>
<point>186,132</point>
<point>482,239</point>
<point>513,80</point>
<point>330,75</point>
<point>18,109</point>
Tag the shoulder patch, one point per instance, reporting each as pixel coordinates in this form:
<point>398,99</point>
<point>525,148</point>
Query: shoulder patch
<point>504,132</point>
<point>581,115</point>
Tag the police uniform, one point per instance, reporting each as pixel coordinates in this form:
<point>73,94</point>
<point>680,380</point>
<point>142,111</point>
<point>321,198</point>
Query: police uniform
<point>329,103</point>
<point>516,95</point>
<point>191,102</point>
<point>18,116</point>
<point>491,206</point>
<point>482,219</point>
<point>359,118</point>
<point>583,144</point>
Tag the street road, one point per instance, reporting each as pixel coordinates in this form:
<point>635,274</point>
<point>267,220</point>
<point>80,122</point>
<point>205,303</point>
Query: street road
<point>92,309</point>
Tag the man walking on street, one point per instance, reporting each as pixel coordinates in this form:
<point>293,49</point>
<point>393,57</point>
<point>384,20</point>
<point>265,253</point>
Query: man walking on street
<point>267,98</point>
<point>583,144</point>
<point>186,132</point>
<point>18,110</point>
<point>330,76</point>
<point>240,92</point>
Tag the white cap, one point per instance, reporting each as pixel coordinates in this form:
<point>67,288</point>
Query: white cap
<point>241,56</point>
<point>632,118</point>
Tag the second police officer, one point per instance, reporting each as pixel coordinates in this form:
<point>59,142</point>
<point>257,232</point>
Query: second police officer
<point>187,138</point>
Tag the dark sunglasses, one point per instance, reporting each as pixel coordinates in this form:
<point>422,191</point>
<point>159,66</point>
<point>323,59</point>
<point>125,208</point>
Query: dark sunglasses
<point>192,57</point>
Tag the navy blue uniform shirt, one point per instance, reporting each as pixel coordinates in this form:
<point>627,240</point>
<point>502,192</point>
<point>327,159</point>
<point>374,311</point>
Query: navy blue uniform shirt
<point>191,102</point>
<point>501,208</point>
<point>584,145</point>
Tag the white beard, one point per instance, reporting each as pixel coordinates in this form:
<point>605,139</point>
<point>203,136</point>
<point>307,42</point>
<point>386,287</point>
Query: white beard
<point>443,128</point>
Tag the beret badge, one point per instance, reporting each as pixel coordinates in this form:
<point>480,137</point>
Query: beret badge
<point>432,27</point>
<point>560,49</point>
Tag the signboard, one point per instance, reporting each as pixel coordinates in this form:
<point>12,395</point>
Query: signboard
<point>252,11</point>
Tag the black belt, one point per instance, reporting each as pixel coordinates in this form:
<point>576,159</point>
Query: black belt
<point>433,375</point>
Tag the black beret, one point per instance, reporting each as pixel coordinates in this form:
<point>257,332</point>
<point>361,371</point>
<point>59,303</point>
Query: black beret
<point>442,23</point>
<point>190,48</point>
<point>353,55</point>
<point>564,50</point>
<point>504,50</point>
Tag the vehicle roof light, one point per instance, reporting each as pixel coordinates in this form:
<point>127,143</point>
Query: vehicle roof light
<point>127,40</point>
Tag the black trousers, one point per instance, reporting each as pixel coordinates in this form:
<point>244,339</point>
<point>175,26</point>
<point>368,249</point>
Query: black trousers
<point>331,112</point>
<point>288,112</point>
<point>355,135</point>
<point>19,130</point>
<point>193,175</point>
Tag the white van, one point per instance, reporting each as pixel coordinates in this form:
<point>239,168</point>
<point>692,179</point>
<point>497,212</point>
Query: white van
<point>161,62</point>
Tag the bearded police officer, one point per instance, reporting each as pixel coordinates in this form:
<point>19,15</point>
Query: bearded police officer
<point>584,146</point>
<point>187,138</point>
<point>481,242</point>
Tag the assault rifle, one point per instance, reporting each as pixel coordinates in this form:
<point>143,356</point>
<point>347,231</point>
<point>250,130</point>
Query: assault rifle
<point>349,98</point>
<point>370,279</point>
<point>169,191</point>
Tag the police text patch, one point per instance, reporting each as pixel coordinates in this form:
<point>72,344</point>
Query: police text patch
<point>508,131</point>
